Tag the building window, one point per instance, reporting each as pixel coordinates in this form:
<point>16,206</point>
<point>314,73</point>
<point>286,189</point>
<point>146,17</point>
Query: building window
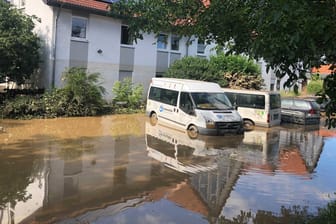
<point>278,84</point>
<point>175,43</point>
<point>79,27</point>
<point>20,3</point>
<point>125,35</point>
<point>200,46</point>
<point>162,41</point>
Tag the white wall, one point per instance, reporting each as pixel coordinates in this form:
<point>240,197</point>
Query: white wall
<point>145,60</point>
<point>269,77</point>
<point>104,33</point>
<point>63,36</point>
<point>44,29</point>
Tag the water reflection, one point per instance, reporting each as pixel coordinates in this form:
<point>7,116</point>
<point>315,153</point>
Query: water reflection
<point>278,153</point>
<point>85,164</point>
<point>176,150</point>
<point>121,169</point>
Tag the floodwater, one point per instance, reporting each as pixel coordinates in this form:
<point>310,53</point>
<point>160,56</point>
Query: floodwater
<point>121,169</point>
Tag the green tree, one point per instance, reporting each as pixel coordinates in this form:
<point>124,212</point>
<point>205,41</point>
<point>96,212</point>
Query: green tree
<point>291,36</point>
<point>19,46</point>
<point>238,71</point>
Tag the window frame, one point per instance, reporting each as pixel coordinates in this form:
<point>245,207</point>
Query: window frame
<point>275,101</point>
<point>173,39</point>
<point>129,41</point>
<point>160,43</point>
<point>21,4</point>
<point>85,38</point>
<point>186,104</point>
<point>255,101</point>
<point>166,96</point>
<point>201,43</point>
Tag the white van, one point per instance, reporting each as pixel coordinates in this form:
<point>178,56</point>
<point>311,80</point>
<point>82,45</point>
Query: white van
<point>196,106</point>
<point>258,108</point>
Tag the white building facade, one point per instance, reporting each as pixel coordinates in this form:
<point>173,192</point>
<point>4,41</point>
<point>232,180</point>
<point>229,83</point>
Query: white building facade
<point>80,33</point>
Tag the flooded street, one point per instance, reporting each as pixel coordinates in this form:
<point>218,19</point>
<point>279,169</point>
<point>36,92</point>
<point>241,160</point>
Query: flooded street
<point>121,169</point>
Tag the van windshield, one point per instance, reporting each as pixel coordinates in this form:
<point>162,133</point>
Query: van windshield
<point>211,101</point>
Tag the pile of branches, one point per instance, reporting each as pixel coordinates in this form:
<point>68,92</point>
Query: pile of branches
<point>244,81</point>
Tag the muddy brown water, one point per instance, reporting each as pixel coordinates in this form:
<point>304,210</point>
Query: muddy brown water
<point>122,169</point>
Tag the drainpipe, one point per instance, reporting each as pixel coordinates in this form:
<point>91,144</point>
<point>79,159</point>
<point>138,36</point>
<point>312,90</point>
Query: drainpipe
<point>187,46</point>
<point>54,47</point>
<point>188,43</point>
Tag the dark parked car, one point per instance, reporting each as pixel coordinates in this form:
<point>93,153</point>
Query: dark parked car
<point>323,105</point>
<point>300,111</point>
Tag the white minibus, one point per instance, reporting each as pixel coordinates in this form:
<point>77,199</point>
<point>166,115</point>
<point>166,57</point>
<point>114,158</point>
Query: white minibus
<point>258,108</point>
<point>197,106</point>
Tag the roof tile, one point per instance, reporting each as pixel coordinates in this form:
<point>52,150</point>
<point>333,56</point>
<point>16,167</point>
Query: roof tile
<point>89,4</point>
<point>323,70</point>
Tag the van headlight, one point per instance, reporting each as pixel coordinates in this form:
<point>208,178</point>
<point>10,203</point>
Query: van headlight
<point>209,123</point>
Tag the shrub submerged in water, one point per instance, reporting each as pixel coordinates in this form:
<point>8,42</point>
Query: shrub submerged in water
<point>82,95</point>
<point>128,97</point>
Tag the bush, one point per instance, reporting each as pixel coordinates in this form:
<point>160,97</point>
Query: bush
<point>315,86</point>
<point>127,96</point>
<point>195,68</point>
<point>238,71</point>
<point>234,64</point>
<point>24,107</point>
<point>227,71</point>
<point>56,103</point>
<point>83,92</point>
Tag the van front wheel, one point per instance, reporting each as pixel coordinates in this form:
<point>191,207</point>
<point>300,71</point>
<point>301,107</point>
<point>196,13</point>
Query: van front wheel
<point>248,125</point>
<point>153,118</point>
<point>192,131</point>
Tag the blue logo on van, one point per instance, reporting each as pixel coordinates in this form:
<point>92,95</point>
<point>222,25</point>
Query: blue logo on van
<point>219,116</point>
<point>161,109</point>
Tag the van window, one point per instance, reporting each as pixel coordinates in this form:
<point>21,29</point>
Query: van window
<point>186,104</point>
<point>275,101</point>
<point>211,101</point>
<point>251,101</point>
<point>163,95</point>
<point>232,97</point>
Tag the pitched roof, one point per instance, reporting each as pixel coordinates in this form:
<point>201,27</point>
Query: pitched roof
<point>90,5</point>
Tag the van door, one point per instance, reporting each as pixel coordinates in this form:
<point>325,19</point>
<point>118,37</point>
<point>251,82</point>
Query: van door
<point>186,110</point>
<point>274,109</point>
